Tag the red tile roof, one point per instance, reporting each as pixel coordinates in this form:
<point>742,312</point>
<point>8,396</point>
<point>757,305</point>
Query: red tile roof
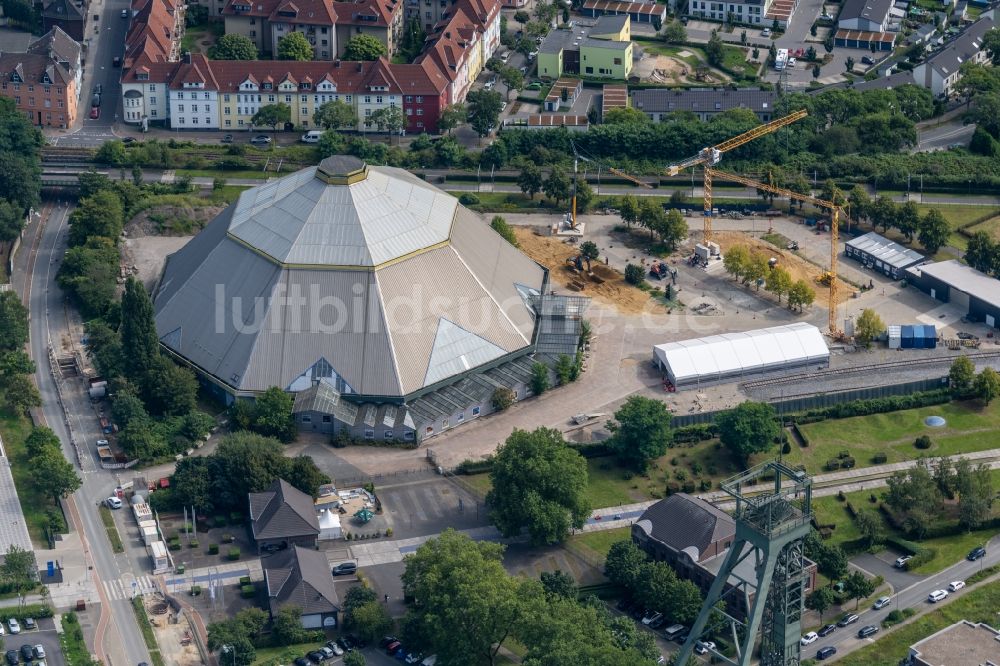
<point>315,12</point>
<point>151,33</point>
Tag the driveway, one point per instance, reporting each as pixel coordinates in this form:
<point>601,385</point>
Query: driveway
<point>881,564</point>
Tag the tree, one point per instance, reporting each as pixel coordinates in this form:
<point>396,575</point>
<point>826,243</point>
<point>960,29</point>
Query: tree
<point>272,415</point>
<point>859,203</point>
<point>530,180</point>
<point>295,46</point>
<point>640,431</point>
<point>233,47</point>
<point>868,327</point>
<point>857,586</point>
<point>11,221</point>
<point>870,526</point>
<point>778,281</point>
<point>624,563</point>
<point>714,50</point>
<point>18,569</point>
<point>286,627</point>
<point>273,115</point>
<point>820,600</point>
<point>13,322</point>
<point>499,225</point>
<point>53,475</point>
<point>484,110</point>
<point>756,269</point>
<point>961,375</point>
<point>371,621</point>
<point>127,407</point>
<point>39,440</point>
<point>883,213</point>
<point>388,119</point>
<point>908,219</point>
<point>981,252</point>
<point>467,604</point>
<point>675,33</point>
<point>991,44</point>
<point>335,115</point>
<point>736,260</point>
<point>976,495</point>
<point>100,214</point>
<point>815,71</point>
<point>539,378</point>
<point>934,231</point>
<point>589,252</point>
<point>849,64</point>
<point>915,495</point>
<point>557,185</point>
<point>811,54</point>
<point>138,330</point>
<point>169,389</point>
<point>629,210</point>
<point>750,428</point>
<point>512,78</point>
<point>987,385</point>
<point>20,394</point>
<point>364,47</point>
<point>452,116</point>
<point>354,658</point>
<point>584,196</point>
<point>356,597</point>
<point>539,483</point>
<point>558,584</point>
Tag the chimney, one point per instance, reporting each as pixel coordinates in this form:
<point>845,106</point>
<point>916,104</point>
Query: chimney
<point>336,63</point>
<point>359,66</point>
<point>187,57</point>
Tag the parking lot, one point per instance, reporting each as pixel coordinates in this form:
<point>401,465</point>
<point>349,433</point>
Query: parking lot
<point>45,635</point>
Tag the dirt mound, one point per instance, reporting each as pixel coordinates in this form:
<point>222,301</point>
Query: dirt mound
<point>799,268</point>
<point>169,220</point>
<point>605,284</point>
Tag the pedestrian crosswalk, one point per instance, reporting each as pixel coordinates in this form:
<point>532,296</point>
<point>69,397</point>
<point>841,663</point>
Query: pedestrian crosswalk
<point>127,587</point>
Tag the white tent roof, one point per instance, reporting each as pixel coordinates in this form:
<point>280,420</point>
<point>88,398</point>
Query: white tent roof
<point>737,353</point>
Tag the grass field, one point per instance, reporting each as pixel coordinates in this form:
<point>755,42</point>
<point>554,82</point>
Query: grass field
<point>14,430</point>
<point>268,656</point>
<point>991,227</point>
<point>958,216</point>
<point>599,543</point>
<point>969,428</point>
<point>979,605</point>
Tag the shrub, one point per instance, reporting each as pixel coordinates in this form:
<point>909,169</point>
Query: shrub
<point>234,553</point>
<point>847,463</point>
<point>248,591</point>
<point>673,487</point>
<point>228,538</point>
<point>468,199</point>
<point>786,448</point>
<point>923,442</point>
<point>680,475</point>
<point>195,590</point>
<point>879,458</point>
<point>236,518</point>
<point>688,487</point>
<point>245,580</point>
<point>219,521</point>
<point>705,485</point>
<point>844,453</point>
<point>841,497</point>
<point>193,544</point>
<point>388,531</point>
<point>832,464</point>
<point>213,549</point>
<point>924,556</point>
<point>174,544</point>
<point>503,398</point>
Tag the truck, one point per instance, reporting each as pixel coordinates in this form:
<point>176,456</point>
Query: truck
<point>781,59</point>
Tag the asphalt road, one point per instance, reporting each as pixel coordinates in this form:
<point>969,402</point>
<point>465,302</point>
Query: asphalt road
<point>944,135</point>
<point>122,640</point>
<point>846,639</point>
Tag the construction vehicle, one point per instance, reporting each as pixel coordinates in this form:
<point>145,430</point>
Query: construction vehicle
<point>580,419</point>
<point>709,157</point>
<point>659,270</point>
<point>825,278</point>
<point>835,211</point>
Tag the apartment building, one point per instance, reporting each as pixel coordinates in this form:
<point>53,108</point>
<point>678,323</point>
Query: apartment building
<point>70,16</point>
<point>44,81</point>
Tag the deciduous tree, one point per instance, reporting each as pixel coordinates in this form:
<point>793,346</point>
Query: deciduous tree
<point>640,431</point>
<point>623,564</point>
<point>868,327</point>
<point>987,385</point>
<point>820,600</point>
<point>335,115</point>
<point>858,586</point>
<point>295,46</point>
<point>530,180</point>
<point>233,47</point>
<point>934,231</point>
<point>272,115</point>
<point>557,185</point>
<point>961,374</point>
<point>750,428</point>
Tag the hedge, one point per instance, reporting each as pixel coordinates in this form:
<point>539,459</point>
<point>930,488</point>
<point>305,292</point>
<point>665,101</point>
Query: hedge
<point>873,406</point>
<point>30,610</point>
<point>695,433</point>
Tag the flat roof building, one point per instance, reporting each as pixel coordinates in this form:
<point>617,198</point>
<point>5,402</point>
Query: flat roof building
<point>961,644</point>
<point>706,103</point>
<point>976,294</point>
<point>732,355</point>
<point>883,255</point>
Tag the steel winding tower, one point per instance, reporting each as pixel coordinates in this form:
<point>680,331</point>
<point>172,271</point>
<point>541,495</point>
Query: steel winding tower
<point>764,568</point>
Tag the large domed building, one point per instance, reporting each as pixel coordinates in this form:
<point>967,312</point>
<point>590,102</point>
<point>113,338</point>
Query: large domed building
<point>389,309</point>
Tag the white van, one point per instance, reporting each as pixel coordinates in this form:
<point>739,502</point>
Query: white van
<point>312,136</point>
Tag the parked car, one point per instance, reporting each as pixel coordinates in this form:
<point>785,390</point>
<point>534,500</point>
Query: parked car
<point>13,625</point>
<point>867,630</point>
<point>826,653</point>
<point>27,652</point>
<point>809,638</point>
<point>39,651</point>
<point>95,112</point>
<point>534,86</point>
<point>386,640</point>
<point>228,138</point>
<point>826,17</point>
<point>936,596</point>
<point>766,32</point>
<point>881,603</point>
<point>98,89</point>
<point>673,631</point>
<point>12,658</point>
<point>847,619</point>
<point>344,644</point>
<point>956,585</point>
<point>345,569</point>
<point>392,647</point>
<point>488,85</point>
<point>505,57</point>
<point>827,630</point>
<point>328,653</point>
<point>650,617</point>
<point>301,661</point>
<point>976,553</point>
<point>117,61</point>
<point>316,657</point>
<point>113,503</point>
<point>29,623</point>
<point>702,647</point>
<point>261,140</point>
<point>124,13</point>
<point>867,60</point>
<point>902,560</point>
<point>312,136</point>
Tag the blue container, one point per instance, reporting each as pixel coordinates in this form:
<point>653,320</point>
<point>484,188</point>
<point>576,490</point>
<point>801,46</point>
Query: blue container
<point>906,337</point>
<point>930,336</point>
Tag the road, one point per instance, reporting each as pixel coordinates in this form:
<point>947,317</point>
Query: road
<point>845,639</point>
<point>118,633</point>
<point>102,47</point>
<point>944,135</point>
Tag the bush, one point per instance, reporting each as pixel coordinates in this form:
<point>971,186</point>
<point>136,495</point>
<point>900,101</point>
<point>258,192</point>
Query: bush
<point>786,448</point>
<point>29,610</point>
<point>874,406</point>
<point>921,558</point>
<point>923,442</point>
<point>502,399</point>
<point>879,458</point>
<point>236,518</point>
<point>233,164</point>
<point>234,553</point>
<point>248,591</point>
<point>213,549</point>
<point>468,199</point>
<point>228,538</point>
<point>847,463</point>
<point>832,464</point>
<point>174,544</point>
<point>245,580</point>
<point>695,433</point>
<point>195,590</point>
<point>193,544</point>
<point>219,521</point>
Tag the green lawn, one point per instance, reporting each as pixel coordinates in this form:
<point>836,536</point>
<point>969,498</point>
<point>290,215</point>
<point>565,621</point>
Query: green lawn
<point>979,605</point>
<point>599,543</point>
<point>272,656</point>
<point>14,430</point>
<point>970,428</point>
<point>111,529</point>
<point>991,227</point>
<point>958,216</point>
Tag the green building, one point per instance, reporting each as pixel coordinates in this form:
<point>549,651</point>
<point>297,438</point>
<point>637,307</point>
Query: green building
<point>603,50</point>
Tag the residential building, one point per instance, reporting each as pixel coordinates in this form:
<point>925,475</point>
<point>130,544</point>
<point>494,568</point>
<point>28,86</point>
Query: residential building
<point>381,19</point>
<point>746,11</point>
<point>44,81</point>
<point>600,50</point>
<point>194,95</point>
<point>563,94</point>
<point>640,12</point>
<point>658,103</point>
<point>975,294</point>
<point>67,15</point>
<point>940,71</point>
<point>315,19</point>
<point>281,517</point>
<point>694,537</point>
<point>461,42</point>
<point>155,33</point>
<point>960,644</point>
<point>865,15</point>
<point>301,577</point>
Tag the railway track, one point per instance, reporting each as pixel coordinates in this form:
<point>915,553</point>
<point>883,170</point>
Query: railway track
<point>867,369</point>
<point>68,155</point>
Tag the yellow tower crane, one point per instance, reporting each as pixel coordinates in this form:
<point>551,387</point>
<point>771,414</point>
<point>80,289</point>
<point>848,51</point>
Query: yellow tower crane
<point>711,156</point>
<point>835,210</point>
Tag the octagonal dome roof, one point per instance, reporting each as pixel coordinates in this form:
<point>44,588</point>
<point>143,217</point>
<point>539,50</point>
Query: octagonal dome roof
<point>342,214</point>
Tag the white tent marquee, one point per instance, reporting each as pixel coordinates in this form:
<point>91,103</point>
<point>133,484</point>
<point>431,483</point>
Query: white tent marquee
<point>737,354</point>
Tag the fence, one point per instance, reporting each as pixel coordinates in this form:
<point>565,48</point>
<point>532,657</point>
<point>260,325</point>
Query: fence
<point>802,403</point>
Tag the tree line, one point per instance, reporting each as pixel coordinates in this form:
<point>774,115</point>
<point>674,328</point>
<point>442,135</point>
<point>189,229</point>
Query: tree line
<point>752,267</point>
<point>20,161</point>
